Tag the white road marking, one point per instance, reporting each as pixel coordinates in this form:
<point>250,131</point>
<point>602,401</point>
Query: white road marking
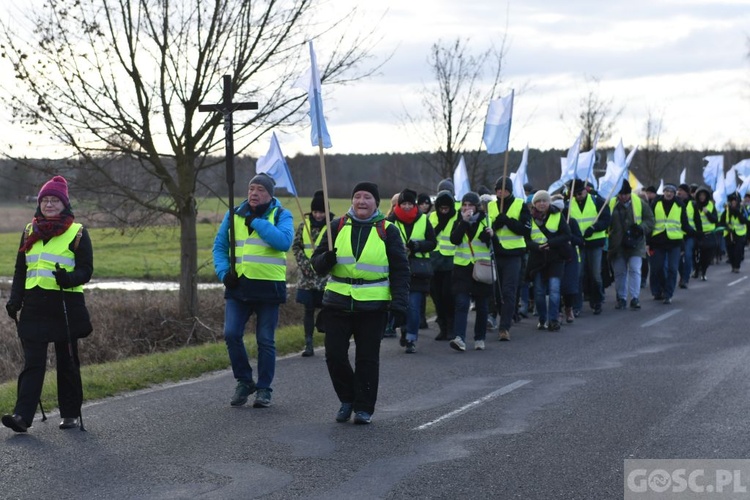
<point>661,318</point>
<point>737,281</point>
<point>503,390</point>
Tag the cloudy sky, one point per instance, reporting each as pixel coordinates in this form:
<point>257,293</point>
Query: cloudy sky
<point>683,60</point>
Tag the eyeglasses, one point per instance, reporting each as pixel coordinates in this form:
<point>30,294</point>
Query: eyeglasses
<point>50,200</point>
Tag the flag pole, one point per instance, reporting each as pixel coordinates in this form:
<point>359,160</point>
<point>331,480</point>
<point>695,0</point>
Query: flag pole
<point>304,219</point>
<point>325,191</point>
<point>570,196</point>
<point>505,174</point>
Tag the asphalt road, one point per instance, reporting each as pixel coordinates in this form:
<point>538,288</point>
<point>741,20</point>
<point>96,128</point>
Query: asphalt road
<point>547,415</point>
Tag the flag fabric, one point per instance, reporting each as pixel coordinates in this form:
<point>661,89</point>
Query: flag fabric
<point>730,181</point>
<point>660,189</point>
<point>720,193</point>
<point>319,133</point>
<point>274,164</point>
<point>683,176</point>
<point>635,184</point>
<point>713,170</point>
<point>497,125</point>
<point>461,179</point>
<point>520,178</point>
<point>743,189</point>
<point>568,165</point>
<point>585,165</point>
<point>743,169</point>
<point>617,171</point>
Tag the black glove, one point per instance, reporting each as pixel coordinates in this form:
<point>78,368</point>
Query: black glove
<point>231,280</point>
<point>329,257</point>
<point>249,219</point>
<point>588,232</point>
<point>62,277</point>
<point>500,221</point>
<point>13,308</point>
<point>413,246</point>
<point>399,318</point>
<point>636,230</point>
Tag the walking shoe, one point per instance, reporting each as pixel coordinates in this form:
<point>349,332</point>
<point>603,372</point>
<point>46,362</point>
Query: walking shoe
<point>541,326</point>
<point>309,349</point>
<point>389,332</point>
<point>668,300</point>
<point>569,316</point>
<point>683,285</point>
<point>635,304</point>
<point>411,348</point>
<point>703,277</point>
<point>597,308</point>
<point>441,336</point>
<point>491,323</point>
<point>344,413</point>
<point>479,345</point>
<point>695,274</point>
<point>659,297</point>
<point>402,339</point>
<point>504,335</point>
<point>362,418</point>
<point>262,399</point>
<point>241,392</point>
<point>458,344</point>
<point>554,326</point>
<point>621,304</point>
<point>69,423</point>
<point>15,422</point>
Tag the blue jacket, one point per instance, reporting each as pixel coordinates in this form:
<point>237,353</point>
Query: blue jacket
<point>279,236</point>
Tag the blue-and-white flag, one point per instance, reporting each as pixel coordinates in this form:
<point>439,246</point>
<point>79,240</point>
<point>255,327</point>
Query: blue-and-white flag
<point>730,181</point>
<point>743,169</point>
<point>520,178</point>
<point>497,125</point>
<point>568,165</point>
<point>720,192</point>
<point>319,133</point>
<point>713,170</point>
<point>743,189</point>
<point>274,164</point>
<point>461,179</point>
<point>611,182</point>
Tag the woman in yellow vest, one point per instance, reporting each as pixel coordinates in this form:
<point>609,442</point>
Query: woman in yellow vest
<point>54,261</point>
<point>549,248</point>
<point>734,220</point>
<point>442,220</point>
<point>310,285</point>
<point>419,238</point>
<point>707,235</point>
<point>369,275</point>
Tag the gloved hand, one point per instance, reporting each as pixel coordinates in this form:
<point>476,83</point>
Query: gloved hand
<point>249,219</point>
<point>61,277</point>
<point>588,232</point>
<point>399,318</point>
<point>413,246</point>
<point>500,221</point>
<point>13,308</point>
<point>231,280</point>
<point>329,257</point>
<point>636,230</point>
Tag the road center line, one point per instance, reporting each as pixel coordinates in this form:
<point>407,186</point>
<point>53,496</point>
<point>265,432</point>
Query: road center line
<point>503,390</point>
<point>661,318</point>
<point>737,281</point>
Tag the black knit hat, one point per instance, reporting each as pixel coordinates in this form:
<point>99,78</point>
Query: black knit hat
<point>444,199</point>
<point>472,198</point>
<point>370,187</point>
<point>318,202</point>
<point>264,180</point>
<point>684,187</point>
<point>424,198</point>
<point>626,189</point>
<point>508,183</point>
<point>407,196</point>
<point>650,189</point>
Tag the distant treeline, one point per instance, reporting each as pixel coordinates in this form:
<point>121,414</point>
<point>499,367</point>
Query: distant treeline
<point>391,171</point>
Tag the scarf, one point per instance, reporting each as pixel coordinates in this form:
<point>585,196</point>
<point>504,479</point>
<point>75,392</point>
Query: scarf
<point>43,228</point>
<point>444,219</point>
<point>539,216</point>
<point>404,216</point>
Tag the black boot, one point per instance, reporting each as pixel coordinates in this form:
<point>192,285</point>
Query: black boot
<point>309,351</point>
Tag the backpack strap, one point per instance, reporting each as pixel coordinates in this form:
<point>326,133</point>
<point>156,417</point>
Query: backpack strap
<point>77,240</point>
<point>379,226</point>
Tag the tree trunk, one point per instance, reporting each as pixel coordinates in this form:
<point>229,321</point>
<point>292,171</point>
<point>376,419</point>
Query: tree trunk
<point>188,260</point>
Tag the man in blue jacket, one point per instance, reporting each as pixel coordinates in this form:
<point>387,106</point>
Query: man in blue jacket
<point>264,231</point>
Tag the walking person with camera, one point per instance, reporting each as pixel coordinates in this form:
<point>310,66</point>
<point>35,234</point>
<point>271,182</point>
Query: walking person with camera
<point>632,220</point>
<point>53,263</point>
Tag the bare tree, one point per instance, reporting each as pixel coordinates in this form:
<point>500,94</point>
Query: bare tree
<point>117,80</point>
<point>653,161</point>
<point>596,115</point>
<point>457,103</point>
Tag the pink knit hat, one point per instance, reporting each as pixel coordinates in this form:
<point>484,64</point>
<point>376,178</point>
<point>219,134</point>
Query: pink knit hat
<point>57,186</point>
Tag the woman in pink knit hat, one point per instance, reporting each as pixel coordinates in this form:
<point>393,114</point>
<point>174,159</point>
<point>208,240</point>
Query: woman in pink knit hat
<point>54,261</point>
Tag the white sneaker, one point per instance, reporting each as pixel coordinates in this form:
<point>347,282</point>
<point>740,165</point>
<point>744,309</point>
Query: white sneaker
<point>479,345</point>
<point>458,344</point>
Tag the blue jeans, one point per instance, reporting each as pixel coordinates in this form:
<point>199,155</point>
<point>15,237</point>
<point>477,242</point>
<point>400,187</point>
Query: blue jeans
<point>543,287</point>
<point>463,302</point>
<point>686,261</point>
<point>236,315</point>
<point>663,271</point>
<point>627,276</point>
<point>414,315</point>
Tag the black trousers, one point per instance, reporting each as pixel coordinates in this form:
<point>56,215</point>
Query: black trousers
<point>31,379</point>
<point>358,385</point>
<point>442,297</point>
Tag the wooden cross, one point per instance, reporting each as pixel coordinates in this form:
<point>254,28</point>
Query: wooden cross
<point>227,108</point>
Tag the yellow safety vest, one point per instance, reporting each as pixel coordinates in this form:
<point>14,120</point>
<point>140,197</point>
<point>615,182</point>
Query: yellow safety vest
<point>256,259</point>
<point>707,225</point>
<point>41,259</point>
<point>365,278</point>
<point>690,209</point>
<point>734,224</point>
<point>669,223</point>
<point>553,224</point>
<point>586,217</point>
<point>307,244</point>
<point>418,233</point>
<point>507,238</point>
<point>469,252</point>
<point>444,245</point>
<point>637,205</point>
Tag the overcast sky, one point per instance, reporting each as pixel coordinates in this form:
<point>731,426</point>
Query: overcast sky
<point>683,60</point>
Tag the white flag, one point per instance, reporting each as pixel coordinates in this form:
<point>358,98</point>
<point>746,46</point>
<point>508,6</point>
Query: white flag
<point>461,179</point>
<point>497,125</point>
<point>660,189</point>
<point>274,164</point>
<point>743,169</point>
<point>520,177</point>
<point>713,170</point>
<point>683,176</point>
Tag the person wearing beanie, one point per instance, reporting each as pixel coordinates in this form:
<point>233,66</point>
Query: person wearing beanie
<point>670,227</point>
<point>254,277</point>
<point>549,249</point>
<point>733,218</point>
<point>446,185</point>
<point>707,236</point>
<point>369,276</point>
<point>442,220</point>
<point>53,263</point>
<point>472,236</point>
<point>569,283</point>
<point>631,223</point>
<point>685,267</point>
<point>510,219</point>
<point>419,238</point>
<point>593,218</point>
<point>310,285</point>
<point>424,203</point>
<point>650,194</point>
